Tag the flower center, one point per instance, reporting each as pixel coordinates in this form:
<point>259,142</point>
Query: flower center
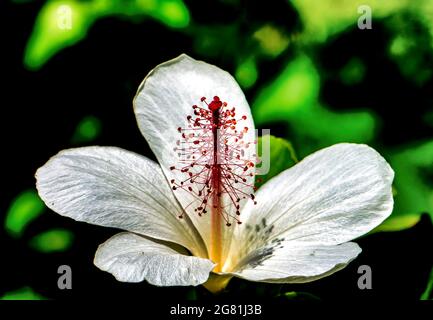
<point>215,170</point>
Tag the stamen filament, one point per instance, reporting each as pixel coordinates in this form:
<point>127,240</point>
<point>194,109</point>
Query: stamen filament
<point>214,168</point>
<point>216,228</point>
<point>216,219</point>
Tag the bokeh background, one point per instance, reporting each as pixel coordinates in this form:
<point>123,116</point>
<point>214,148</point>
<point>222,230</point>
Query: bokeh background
<point>310,74</point>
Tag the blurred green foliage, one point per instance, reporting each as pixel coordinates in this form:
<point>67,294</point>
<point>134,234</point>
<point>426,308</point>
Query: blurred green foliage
<point>52,240</point>
<point>323,19</point>
<point>353,72</point>
<point>191,294</point>
<point>281,156</point>
<point>247,73</point>
<point>25,293</point>
<point>271,41</point>
<point>26,207</point>
<point>428,292</point>
<point>293,97</point>
<point>397,223</point>
<point>61,24</point>
<point>293,92</point>
<point>413,168</point>
<point>87,130</point>
<point>299,296</point>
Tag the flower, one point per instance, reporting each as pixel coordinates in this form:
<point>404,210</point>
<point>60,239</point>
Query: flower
<point>179,214</point>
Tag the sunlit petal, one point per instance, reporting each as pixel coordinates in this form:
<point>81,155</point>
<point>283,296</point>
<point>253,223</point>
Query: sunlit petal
<point>332,196</point>
<point>133,258</point>
<point>115,188</point>
<point>291,262</point>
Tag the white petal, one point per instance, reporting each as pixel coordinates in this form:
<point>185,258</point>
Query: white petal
<point>290,262</point>
<point>332,196</point>
<point>165,99</point>
<point>132,258</point>
<point>116,188</point>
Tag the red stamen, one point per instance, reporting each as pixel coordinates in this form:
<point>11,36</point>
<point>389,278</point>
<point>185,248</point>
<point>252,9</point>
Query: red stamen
<point>212,155</point>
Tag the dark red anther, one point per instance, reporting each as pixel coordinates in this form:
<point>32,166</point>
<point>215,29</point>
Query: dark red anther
<point>215,104</point>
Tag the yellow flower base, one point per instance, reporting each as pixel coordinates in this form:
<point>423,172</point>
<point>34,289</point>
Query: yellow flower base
<point>217,283</point>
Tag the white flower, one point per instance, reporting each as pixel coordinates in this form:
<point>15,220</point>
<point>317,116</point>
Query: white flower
<point>298,231</point>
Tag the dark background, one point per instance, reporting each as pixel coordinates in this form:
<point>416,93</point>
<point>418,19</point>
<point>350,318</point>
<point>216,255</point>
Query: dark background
<point>99,75</point>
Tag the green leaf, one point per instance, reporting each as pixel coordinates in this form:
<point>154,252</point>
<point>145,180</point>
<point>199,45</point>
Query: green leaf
<point>398,223</point>
<point>295,89</point>
<point>353,72</point>
<point>272,41</point>
<point>247,73</point>
<point>428,293</point>
<point>191,294</point>
<point>293,98</point>
<point>61,24</point>
<point>322,19</point>
<point>52,241</point>
<point>25,293</point>
<point>87,130</point>
<point>281,156</point>
<point>414,182</point>
<point>300,296</point>
<point>26,207</point>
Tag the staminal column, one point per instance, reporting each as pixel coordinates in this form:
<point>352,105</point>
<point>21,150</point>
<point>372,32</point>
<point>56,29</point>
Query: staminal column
<point>216,216</point>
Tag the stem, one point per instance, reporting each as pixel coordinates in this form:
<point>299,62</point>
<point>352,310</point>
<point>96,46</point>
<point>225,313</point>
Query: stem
<point>216,217</point>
